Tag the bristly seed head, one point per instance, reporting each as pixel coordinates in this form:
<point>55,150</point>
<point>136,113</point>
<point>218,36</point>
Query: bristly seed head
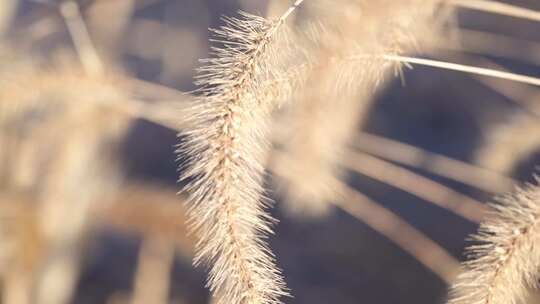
<point>506,262</point>
<point>227,147</point>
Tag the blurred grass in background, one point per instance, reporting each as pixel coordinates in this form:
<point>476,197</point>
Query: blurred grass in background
<point>135,249</point>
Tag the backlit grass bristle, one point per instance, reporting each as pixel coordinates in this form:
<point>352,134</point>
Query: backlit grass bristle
<point>227,147</point>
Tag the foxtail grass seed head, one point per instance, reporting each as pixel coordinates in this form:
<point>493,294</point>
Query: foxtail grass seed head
<point>503,264</point>
<point>226,151</point>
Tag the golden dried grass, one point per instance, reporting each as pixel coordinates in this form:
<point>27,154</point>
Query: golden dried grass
<point>324,118</point>
<point>256,68</point>
<point>227,144</point>
<point>504,262</point>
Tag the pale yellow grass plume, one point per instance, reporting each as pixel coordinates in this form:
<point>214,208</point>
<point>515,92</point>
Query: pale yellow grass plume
<point>505,260</point>
<point>317,128</point>
<point>226,149</point>
<point>509,143</point>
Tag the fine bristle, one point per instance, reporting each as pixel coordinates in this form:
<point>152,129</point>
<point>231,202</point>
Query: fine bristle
<point>227,147</point>
<point>505,260</point>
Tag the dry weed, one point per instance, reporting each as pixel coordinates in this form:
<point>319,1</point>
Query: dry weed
<point>227,146</point>
<point>504,263</point>
<point>307,89</point>
<point>323,118</point>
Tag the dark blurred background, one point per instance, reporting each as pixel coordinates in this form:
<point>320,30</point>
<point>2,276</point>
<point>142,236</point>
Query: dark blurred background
<point>336,259</point>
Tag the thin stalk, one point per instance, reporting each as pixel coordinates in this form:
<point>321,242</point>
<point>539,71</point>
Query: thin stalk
<point>88,55</point>
<point>499,8</point>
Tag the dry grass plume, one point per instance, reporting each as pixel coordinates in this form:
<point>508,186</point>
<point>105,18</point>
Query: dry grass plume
<point>504,263</point>
<point>227,147</point>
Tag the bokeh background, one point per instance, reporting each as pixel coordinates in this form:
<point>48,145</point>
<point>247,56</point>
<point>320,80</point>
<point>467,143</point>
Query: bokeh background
<point>334,259</point>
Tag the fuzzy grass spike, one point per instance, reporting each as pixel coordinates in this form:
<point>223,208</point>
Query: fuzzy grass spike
<point>226,150</point>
